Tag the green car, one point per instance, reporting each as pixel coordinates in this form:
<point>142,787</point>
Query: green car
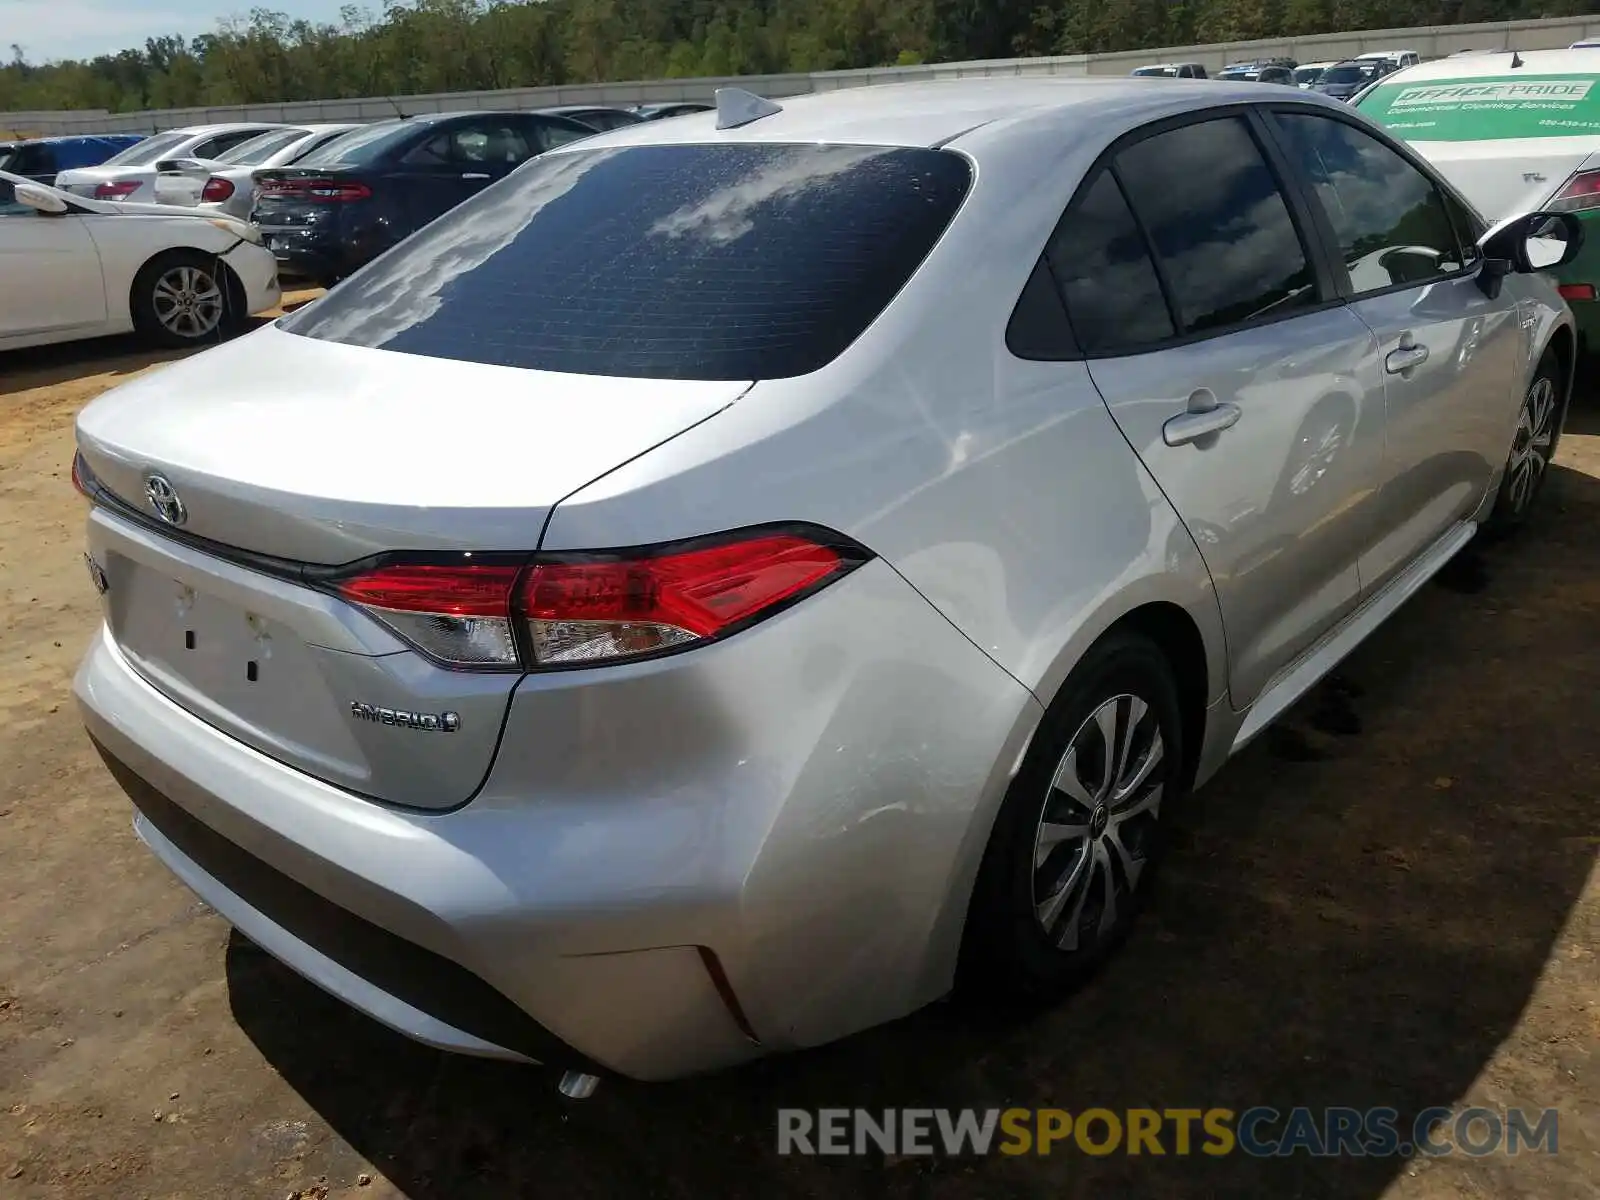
<point>1515,133</point>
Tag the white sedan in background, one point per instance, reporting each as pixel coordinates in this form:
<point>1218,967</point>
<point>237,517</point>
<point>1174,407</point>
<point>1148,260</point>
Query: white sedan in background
<point>224,185</point>
<point>131,175</point>
<point>77,268</point>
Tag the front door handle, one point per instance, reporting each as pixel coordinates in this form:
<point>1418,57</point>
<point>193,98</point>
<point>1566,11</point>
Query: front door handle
<point>1407,356</point>
<point>475,175</point>
<point>1194,425</point>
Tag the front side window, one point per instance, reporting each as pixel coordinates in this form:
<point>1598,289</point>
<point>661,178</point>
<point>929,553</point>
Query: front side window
<point>739,261</point>
<point>1099,259</point>
<point>1388,217</point>
<point>1221,228</point>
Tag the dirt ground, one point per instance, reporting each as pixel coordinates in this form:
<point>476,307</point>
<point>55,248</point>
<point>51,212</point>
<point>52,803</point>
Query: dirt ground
<point>1408,916</point>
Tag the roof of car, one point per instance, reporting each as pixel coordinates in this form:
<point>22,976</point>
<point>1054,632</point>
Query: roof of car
<point>937,112</point>
<point>57,139</point>
<point>1470,66</point>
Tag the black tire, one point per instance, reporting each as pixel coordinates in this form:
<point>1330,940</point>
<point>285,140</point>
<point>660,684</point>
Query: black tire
<point>1533,445</point>
<point>1007,953</point>
<point>157,300</point>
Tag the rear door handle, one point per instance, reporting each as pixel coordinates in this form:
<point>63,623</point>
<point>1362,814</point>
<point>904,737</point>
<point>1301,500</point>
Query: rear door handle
<point>1192,426</point>
<point>475,175</point>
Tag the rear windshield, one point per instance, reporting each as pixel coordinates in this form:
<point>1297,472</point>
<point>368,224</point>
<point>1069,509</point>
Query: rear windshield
<point>147,151</point>
<point>667,262</point>
<point>1484,108</point>
<point>360,147</point>
<point>258,149</point>
<point>1347,74</point>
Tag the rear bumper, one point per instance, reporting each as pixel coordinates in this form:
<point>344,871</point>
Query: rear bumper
<point>764,844</point>
<point>318,256</point>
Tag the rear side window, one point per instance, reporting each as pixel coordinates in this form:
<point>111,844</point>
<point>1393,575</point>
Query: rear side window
<point>1220,226</point>
<point>1099,258</point>
<point>39,158</point>
<point>671,262</point>
<point>1389,218</point>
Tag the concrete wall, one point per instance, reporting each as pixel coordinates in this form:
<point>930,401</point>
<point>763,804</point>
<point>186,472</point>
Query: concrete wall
<point>1430,42</point>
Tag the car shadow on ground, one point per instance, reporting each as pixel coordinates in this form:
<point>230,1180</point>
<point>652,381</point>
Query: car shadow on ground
<point>1358,923</point>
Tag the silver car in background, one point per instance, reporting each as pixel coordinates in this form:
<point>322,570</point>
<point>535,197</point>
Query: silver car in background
<point>741,577</point>
<point>224,184</point>
<point>131,175</point>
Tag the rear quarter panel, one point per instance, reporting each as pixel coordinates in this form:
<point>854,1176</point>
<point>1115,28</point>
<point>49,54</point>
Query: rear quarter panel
<point>999,488</point>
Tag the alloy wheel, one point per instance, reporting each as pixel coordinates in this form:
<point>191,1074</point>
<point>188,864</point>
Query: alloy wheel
<point>188,302</point>
<point>1530,448</point>
<point>1095,831</point>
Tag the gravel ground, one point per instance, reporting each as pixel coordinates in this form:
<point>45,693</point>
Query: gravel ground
<point>1402,916</point>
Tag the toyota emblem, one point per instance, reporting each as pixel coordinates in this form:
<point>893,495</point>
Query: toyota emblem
<point>164,500</point>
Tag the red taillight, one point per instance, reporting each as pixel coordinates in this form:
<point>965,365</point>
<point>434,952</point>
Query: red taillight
<point>590,609</point>
<point>120,190</point>
<point>580,611</point>
<point>1579,193</point>
<point>1577,291</point>
<point>323,191</point>
<point>216,190</point>
<point>80,476</point>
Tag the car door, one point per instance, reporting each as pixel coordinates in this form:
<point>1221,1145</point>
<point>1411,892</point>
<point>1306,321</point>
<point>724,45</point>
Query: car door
<point>1450,352</point>
<point>1246,388</point>
<point>51,271</point>
<point>458,161</point>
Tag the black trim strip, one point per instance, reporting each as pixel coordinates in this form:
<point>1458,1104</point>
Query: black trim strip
<point>429,982</point>
<point>326,579</point>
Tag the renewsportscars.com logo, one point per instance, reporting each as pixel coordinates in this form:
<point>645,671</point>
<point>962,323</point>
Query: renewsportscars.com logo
<point>1569,91</point>
<point>1258,1132</point>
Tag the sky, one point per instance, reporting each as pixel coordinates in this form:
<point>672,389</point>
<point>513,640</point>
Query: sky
<point>54,29</point>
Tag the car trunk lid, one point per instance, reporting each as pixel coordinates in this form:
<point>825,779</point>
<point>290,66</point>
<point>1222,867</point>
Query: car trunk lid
<point>289,455</point>
<point>1507,176</point>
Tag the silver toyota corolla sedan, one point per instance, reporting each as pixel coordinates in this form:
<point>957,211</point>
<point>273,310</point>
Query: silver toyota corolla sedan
<point>742,577</point>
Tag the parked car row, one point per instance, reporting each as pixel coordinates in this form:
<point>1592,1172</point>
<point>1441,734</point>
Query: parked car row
<point>102,230</point>
<point>1285,71</point>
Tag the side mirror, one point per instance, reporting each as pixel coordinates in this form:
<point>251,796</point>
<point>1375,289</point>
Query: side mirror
<point>41,198</point>
<point>1536,241</point>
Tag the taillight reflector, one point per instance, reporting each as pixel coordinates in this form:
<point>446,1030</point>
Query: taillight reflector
<point>80,476</point>
<point>591,608</point>
<point>323,191</point>
<point>1577,291</point>
<point>216,190</point>
<point>119,190</point>
<point>1579,193</point>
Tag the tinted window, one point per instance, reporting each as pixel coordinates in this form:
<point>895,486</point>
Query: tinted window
<point>1100,260</point>
<point>363,147</point>
<point>1221,227</point>
<point>223,142</point>
<point>1388,217</point>
<point>35,159</point>
<point>551,134</point>
<point>480,144</point>
<point>1348,74</point>
<point>744,261</point>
